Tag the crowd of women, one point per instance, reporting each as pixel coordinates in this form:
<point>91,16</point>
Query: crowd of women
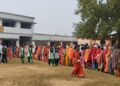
<point>102,58</point>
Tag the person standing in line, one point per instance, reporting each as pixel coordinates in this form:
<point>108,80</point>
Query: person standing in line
<point>105,59</point>
<point>4,54</point>
<point>26,52</point>
<point>34,51</point>
<point>63,55</point>
<point>98,57</point>
<point>110,61</point>
<point>71,54</point>
<point>67,56</point>
<point>60,54</point>
<point>39,53</point>
<point>113,58</point>
<point>17,51</point>
<point>117,62</point>
<point>14,51</point>
<point>46,50</point>
<point>9,52</point>
<point>22,54</point>
<point>30,59</point>
<point>1,51</point>
<point>43,53</point>
<point>57,58</point>
<point>87,57</point>
<point>82,51</point>
<point>100,60</point>
<point>51,56</point>
<point>93,55</point>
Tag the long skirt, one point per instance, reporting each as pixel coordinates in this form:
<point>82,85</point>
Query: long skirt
<point>78,70</point>
<point>9,53</point>
<point>67,60</point>
<point>106,64</point>
<point>62,59</point>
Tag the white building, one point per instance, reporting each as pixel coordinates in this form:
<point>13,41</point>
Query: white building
<point>18,29</point>
<point>41,39</point>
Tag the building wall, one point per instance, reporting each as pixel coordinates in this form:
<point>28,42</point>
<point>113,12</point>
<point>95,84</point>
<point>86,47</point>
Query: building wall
<point>89,41</point>
<point>40,37</point>
<point>9,36</point>
<point>16,17</point>
<point>53,37</point>
<point>17,30</point>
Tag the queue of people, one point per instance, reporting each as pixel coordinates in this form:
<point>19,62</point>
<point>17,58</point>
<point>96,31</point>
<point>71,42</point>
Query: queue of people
<point>103,58</point>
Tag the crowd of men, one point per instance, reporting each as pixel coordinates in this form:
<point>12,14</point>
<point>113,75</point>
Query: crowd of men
<point>102,58</point>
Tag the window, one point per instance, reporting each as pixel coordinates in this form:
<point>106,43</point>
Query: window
<point>8,23</point>
<point>26,25</point>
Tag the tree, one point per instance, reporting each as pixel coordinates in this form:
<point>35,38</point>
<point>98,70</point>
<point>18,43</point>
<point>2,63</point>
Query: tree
<point>115,16</point>
<point>96,19</point>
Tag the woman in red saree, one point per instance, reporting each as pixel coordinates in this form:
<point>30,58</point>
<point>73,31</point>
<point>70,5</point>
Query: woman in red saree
<point>105,58</point>
<point>37,53</point>
<point>78,69</point>
<point>17,51</point>
<point>61,56</point>
<point>9,53</point>
<point>46,51</point>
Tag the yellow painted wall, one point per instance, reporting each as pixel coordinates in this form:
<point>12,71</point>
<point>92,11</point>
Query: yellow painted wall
<point>89,41</point>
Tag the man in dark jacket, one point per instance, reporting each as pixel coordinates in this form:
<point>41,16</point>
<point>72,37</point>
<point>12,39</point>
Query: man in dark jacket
<point>4,54</point>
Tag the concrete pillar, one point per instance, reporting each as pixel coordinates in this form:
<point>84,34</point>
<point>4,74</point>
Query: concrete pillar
<point>18,24</point>
<point>33,43</point>
<point>48,43</point>
<point>61,43</point>
<point>32,27</point>
<point>18,43</point>
<point>0,41</point>
<point>0,22</point>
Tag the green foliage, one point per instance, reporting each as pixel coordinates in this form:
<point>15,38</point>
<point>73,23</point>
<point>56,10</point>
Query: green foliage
<point>98,19</point>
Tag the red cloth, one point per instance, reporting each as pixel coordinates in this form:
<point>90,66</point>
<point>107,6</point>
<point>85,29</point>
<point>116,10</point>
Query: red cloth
<point>61,56</point>
<point>93,53</point>
<point>38,52</point>
<point>17,51</point>
<point>71,54</point>
<point>9,53</point>
<point>77,67</point>
<point>104,55</point>
<point>97,53</point>
<point>46,51</point>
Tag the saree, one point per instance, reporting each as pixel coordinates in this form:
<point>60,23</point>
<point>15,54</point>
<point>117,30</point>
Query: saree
<point>77,66</point>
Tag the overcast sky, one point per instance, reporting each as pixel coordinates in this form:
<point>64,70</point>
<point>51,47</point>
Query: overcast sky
<point>52,16</point>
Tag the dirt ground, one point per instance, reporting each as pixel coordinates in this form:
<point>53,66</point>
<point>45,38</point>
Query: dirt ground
<point>40,74</point>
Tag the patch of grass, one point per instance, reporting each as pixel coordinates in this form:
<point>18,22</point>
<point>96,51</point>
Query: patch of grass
<point>40,74</point>
<point>31,80</point>
<point>101,79</point>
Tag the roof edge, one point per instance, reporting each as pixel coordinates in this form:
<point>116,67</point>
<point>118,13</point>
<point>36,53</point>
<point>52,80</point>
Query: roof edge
<point>17,14</point>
